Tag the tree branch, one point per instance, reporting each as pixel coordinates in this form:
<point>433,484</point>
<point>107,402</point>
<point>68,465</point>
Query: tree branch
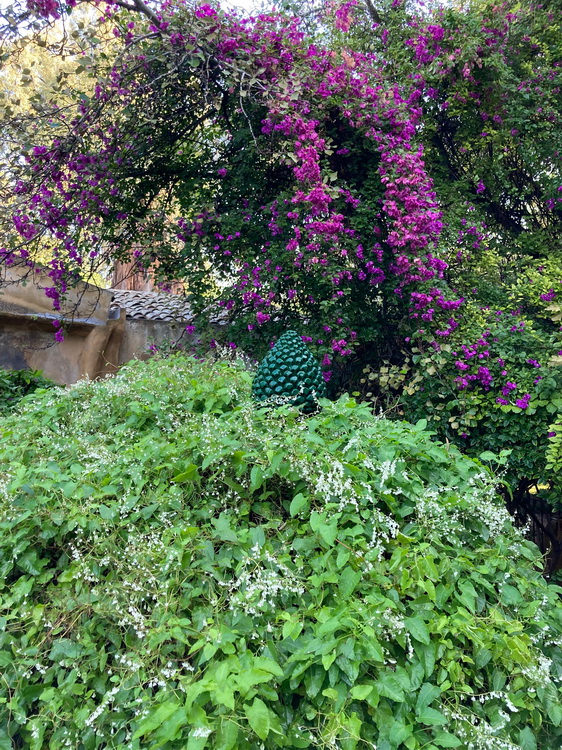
<point>373,12</point>
<point>138,6</point>
<point>142,7</point>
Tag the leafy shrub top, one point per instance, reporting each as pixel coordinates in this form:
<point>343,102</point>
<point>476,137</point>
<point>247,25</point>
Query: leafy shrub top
<point>180,568</point>
<point>15,384</point>
<point>500,392</point>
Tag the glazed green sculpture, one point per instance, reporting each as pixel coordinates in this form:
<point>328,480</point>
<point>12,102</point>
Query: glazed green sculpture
<point>290,374</point>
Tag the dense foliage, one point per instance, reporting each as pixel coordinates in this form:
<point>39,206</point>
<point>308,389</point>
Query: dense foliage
<point>182,569</point>
<point>453,388</point>
<point>374,175</point>
<point>15,384</point>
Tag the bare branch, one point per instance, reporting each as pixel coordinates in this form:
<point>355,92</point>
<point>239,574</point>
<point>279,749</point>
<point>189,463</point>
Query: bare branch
<point>125,5</point>
<point>142,7</point>
<point>373,12</point>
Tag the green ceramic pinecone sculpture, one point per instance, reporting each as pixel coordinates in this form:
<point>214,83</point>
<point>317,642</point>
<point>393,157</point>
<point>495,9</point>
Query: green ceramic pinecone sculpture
<point>291,373</point>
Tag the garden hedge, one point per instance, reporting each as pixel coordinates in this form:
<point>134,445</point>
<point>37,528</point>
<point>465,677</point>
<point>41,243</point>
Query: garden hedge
<point>181,568</point>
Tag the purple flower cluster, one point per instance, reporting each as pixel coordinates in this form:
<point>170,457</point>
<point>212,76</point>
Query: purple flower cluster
<point>46,8</point>
<point>73,188</point>
<point>480,367</point>
<point>311,255</point>
<point>523,402</point>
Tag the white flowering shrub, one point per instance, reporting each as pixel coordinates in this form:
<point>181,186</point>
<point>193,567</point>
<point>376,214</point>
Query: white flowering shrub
<point>182,569</point>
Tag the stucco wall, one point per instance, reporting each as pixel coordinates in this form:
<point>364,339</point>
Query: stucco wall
<point>139,335</point>
<point>92,336</point>
<point>98,338</point>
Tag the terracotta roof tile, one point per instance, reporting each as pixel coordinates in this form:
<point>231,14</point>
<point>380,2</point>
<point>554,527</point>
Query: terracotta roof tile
<point>152,306</point>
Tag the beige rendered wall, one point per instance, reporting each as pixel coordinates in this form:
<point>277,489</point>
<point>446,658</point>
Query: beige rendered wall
<point>95,343</point>
<point>92,338</point>
<point>139,335</point>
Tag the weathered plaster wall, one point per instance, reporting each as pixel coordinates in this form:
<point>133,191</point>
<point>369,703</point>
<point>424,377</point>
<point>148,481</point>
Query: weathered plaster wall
<point>92,337</point>
<point>139,335</point>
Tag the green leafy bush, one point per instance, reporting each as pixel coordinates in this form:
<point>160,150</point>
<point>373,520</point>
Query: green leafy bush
<point>15,384</point>
<point>498,394</point>
<point>180,568</point>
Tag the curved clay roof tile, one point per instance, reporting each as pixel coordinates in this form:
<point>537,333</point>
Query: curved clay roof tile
<point>152,306</point>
